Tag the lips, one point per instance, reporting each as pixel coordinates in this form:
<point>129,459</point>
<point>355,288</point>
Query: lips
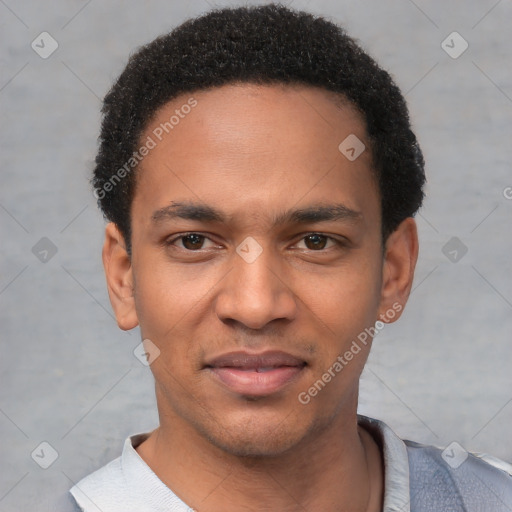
<point>247,361</point>
<point>255,374</point>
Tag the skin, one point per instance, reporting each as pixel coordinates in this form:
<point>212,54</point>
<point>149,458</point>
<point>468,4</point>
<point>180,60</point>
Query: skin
<point>255,152</point>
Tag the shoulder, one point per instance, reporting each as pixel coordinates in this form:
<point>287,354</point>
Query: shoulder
<point>101,490</point>
<point>124,484</point>
<point>110,488</point>
<point>456,480</point>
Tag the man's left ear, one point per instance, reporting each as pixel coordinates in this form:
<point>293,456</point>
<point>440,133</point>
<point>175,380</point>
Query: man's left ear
<point>401,254</point>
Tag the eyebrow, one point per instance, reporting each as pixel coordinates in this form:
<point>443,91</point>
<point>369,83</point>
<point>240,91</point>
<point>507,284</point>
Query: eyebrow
<point>206,213</point>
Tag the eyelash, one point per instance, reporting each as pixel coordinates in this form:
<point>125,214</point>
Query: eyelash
<point>338,242</point>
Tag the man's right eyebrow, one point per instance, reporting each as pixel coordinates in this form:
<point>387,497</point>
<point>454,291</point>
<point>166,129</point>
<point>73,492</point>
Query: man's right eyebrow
<point>187,211</point>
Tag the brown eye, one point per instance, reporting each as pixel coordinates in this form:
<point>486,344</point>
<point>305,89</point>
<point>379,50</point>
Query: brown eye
<point>188,243</point>
<point>315,241</point>
<point>193,241</point>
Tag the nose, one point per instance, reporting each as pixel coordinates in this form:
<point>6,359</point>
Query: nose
<point>254,294</point>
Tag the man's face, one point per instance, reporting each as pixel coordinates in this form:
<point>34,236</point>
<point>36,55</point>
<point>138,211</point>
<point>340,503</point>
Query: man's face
<point>254,277</point>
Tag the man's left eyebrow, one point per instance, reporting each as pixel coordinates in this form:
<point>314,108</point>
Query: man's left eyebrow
<point>206,213</point>
<point>321,213</point>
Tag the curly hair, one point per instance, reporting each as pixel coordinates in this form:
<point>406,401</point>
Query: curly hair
<point>263,45</point>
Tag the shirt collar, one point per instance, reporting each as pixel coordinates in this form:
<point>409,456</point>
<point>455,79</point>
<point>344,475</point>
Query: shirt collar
<point>396,464</point>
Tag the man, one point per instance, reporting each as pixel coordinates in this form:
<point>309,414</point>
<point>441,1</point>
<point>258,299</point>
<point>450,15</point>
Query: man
<point>260,177</point>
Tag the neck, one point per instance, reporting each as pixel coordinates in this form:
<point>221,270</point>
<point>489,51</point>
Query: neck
<point>339,468</point>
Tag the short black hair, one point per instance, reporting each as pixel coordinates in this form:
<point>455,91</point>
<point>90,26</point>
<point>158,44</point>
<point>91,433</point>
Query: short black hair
<point>267,44</point>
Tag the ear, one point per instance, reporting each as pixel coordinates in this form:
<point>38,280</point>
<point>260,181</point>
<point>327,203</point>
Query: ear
<point>401,254</point>
<point>118,271</point>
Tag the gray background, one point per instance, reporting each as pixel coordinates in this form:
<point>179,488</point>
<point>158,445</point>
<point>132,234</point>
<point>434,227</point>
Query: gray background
<point>68,374</point>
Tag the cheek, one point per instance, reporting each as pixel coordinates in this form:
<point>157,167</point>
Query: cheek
<point>171,306</point>
<point>165,295</point>
<point>165,311</point>
<point>340,309</point>
<point>346,299</point>
<point>156,301</point>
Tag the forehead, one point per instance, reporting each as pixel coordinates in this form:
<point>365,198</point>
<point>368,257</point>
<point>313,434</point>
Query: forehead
<point>235,111</point>
<point>255,145</point>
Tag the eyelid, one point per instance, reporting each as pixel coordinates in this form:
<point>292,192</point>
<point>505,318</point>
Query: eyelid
<point>173,238</point>
<point>340,242</point>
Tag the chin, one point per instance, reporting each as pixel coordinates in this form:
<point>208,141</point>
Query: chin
<point>256,437</point>
<point>256,446</point>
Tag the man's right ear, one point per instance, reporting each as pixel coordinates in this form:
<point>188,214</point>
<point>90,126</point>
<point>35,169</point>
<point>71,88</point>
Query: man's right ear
<point>119,274</point>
